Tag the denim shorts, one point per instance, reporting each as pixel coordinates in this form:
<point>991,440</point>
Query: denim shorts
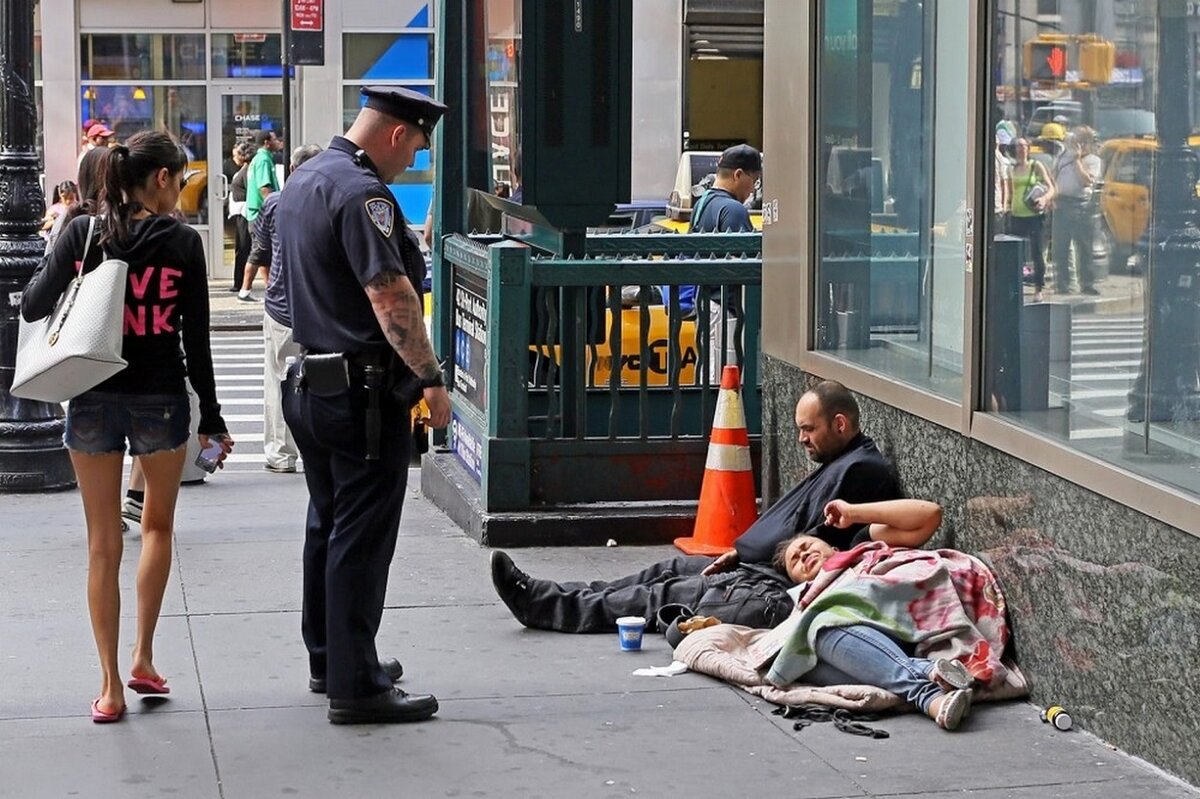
<point>101,422</point>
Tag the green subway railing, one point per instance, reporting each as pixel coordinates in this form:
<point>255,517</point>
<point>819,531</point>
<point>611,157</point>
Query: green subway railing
<point>583,380</point>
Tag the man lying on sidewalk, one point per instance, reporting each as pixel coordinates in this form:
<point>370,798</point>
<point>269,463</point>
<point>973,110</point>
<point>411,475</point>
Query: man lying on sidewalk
<point>742,586</point>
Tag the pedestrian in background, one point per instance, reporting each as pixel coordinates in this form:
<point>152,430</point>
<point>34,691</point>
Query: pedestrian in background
<point>353,273</point>
<point>1032,192</point>
<point>261,181</point>
<point>1076,170</point>
<point>722,209</point>
<point>243,152</point>
<point>90,180</point>
<point>144,405</point>
<point>65,195</point>
<point>278,444</point>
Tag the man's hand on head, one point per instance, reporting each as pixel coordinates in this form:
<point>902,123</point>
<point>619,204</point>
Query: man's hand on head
<point>723,563</point>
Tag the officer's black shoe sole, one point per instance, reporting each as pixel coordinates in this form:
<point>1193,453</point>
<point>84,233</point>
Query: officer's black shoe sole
<point>511,584</point>
<point>391,667</point>
<point>390,707</point>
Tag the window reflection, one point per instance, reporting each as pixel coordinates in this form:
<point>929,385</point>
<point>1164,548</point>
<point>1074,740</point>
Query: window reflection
<point>1092,333</point>
<point>142,56</point>
<point>247,55</point>
<point>180,110</point>
<point>892,211</point>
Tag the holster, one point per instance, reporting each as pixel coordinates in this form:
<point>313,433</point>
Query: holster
<point>325,375</point>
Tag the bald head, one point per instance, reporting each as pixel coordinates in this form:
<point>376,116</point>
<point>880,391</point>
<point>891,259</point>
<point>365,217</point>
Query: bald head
<point>827,418</point>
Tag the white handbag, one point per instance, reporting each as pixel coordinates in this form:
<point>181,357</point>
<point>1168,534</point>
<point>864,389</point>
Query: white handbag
<point>78,346</point>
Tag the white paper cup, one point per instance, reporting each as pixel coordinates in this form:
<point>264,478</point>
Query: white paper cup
<point>629,632</point>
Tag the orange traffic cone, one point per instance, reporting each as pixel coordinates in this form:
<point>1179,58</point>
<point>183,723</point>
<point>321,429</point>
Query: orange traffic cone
<point>727,501</point>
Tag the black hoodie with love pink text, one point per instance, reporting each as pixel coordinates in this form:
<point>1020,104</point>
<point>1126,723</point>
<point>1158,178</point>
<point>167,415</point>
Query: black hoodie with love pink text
<point>166,305</point>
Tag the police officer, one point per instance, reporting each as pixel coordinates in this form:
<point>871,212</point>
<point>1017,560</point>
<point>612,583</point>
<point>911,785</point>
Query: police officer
<point>354,273</point>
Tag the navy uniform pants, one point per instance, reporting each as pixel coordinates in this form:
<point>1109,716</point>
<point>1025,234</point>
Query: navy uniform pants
<point>754,596</point>
<point>350,537</point>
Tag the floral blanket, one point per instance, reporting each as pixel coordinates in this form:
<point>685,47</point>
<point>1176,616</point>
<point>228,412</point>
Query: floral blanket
<point>945,602</point>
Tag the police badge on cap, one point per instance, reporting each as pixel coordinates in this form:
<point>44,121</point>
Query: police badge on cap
<point>405,105</point>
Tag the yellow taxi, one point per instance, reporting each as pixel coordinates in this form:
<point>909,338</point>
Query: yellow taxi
<point>1125,196</point>
<point>657,341</point>
<point>191,199</point>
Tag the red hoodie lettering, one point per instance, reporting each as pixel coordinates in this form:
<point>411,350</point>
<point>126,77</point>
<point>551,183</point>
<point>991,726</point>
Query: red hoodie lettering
<point>160,315</point>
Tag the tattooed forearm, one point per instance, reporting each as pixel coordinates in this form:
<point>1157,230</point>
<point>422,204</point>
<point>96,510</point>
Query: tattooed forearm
<point>402,320</point>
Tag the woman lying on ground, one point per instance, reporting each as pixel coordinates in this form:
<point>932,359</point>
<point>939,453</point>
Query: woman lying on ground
<point>863,614</point>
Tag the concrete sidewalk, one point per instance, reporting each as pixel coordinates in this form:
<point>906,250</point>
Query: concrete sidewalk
<point>523,714</point>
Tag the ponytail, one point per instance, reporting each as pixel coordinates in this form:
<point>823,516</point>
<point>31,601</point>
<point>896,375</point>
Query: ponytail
<point>126,168</point>
<point>114,210</point>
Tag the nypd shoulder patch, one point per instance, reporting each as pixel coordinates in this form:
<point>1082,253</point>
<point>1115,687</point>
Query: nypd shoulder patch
<point>382,214</point>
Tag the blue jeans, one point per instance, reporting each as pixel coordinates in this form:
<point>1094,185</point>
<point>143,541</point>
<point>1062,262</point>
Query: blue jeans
<point>100,422</point>
<point>863,655</point>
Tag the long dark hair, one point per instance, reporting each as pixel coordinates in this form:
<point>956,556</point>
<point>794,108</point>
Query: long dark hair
<point>63,189</point>
<point>91,181</point>
<point>128,166</point>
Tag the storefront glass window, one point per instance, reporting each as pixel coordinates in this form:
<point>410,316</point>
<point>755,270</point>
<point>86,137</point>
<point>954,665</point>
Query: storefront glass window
<point>247,55</point>
<point>893,217</point>
<point>414,187</point>
<point>142,56</point>
<point>387,56</point>
<point>393,59</point>
<point>1092,329</point>
<point>127,109</point>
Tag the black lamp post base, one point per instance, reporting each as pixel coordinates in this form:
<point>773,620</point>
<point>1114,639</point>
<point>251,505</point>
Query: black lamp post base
<point>32,457</point>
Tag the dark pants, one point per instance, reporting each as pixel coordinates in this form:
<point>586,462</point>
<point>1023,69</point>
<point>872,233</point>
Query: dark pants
<point>746,595</point>
<point>1032,228</point>
<point>353,517</point>
<point>1072,223</point>
<point>241,249</point>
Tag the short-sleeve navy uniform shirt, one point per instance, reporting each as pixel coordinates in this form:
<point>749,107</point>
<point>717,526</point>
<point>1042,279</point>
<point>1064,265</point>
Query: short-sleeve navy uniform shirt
<point>339,228</point>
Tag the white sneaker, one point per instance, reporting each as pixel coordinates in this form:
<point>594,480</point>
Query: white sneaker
<point>131,509</point>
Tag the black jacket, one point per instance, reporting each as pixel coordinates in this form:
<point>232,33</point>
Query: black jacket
<point>166,307</point>
<point>859,474</point>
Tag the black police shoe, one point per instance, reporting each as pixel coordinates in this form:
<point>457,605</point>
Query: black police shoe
<point>512,585</point>
<point>390,707</point>
<point>391,667</point>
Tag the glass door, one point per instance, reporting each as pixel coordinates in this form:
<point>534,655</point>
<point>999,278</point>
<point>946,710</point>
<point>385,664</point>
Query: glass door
<point>243,111</point>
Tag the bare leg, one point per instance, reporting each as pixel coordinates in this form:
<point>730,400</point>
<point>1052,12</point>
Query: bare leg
<point>162,471</point>
<point>100,485</point>
<point>137,481</point>
<point>248,280</point>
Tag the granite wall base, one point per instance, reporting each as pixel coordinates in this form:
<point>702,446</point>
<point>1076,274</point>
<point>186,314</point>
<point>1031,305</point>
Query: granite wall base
<point>1104,601</point>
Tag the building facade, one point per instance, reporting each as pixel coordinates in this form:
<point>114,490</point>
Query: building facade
<point>210,72</point>
<point>1032,365</point>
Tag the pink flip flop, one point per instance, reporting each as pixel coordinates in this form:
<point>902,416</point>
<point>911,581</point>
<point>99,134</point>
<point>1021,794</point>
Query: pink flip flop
<point>149,685</point>
<point>100,717</point>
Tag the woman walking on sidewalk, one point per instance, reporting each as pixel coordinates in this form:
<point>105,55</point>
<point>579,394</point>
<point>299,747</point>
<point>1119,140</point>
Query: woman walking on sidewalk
<point>166,305</point>
<point>1031,191</point>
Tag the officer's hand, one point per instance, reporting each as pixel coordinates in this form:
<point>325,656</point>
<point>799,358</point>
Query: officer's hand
<point>439,406</point>
<point>722,564</point>
<point>837,514</point>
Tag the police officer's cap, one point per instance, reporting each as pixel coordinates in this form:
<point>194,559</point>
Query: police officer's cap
<point>743,157</point>
<point>405,105</point>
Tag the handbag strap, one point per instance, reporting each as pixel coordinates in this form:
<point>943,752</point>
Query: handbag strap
<point>75,284</point>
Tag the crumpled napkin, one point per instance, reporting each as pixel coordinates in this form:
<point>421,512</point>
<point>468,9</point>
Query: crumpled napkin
<point>676,667</point>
